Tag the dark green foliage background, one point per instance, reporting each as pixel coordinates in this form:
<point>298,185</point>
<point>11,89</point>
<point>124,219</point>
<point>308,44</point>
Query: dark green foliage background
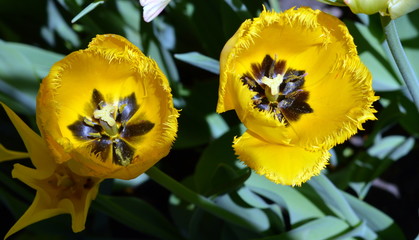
<point>368,191</point>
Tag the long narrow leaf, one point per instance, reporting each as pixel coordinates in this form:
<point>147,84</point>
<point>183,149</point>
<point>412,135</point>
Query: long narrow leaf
<point>198,60</point>
<point>138,215</point>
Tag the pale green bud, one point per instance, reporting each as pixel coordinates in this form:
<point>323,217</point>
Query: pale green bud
<point>367,6</point>
<point>397,8</point>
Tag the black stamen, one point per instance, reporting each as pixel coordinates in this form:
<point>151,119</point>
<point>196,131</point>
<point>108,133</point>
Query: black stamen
<point>97,97</point>
<point>134,130</point>
<point>268,66</point>
<point>122,153</point>
<point>82,130</point>
<point>294,105</point>
<point>101,146</point>
<point>129,107</point>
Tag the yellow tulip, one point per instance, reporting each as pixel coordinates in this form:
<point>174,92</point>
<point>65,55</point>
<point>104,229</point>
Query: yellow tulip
<point>107,110</point>
<point>58,189</point>
<point>296,82</point>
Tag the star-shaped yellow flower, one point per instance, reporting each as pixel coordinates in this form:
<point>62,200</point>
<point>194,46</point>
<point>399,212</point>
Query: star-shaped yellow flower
<point>296,82</point>
<point>58,189</point>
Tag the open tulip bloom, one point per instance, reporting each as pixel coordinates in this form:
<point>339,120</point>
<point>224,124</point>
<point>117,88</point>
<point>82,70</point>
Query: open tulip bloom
<point>296,82</point>
<point>121,122</point>
<point>103,112</point>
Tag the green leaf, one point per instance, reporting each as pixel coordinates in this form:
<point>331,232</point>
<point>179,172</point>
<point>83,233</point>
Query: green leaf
<point>383,79</point>
<point>154,43</point>
<point>323,228</point>
<point>214,158</point>
<point>380,156</point>
<point>393,147</point>
<point>198,123</point>
<point>199,200</point>
<point>255,216</point>
<point>233,14</point>
<point>373,56</point>
<point>409,115</point>
<point>300,208</point>
<point>193,130</point>
<point>57,24</point>
<point>407,27</point>
<point>388,116</point>
<point>250,198</point>
<point>86,10</point>
<point>131,21</point>
<point>377,221</point>
<point>198,60</point>
<point>21,68</point>
<point>41,59</point>
<point>227,178</point>
<point>138,215</point>
<point>16,99</point>
<point>334,199</point>
<point>181,211</point>
<point>217,125</point>
<point>16,74</point>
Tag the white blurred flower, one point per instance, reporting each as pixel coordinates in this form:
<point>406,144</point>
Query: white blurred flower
<point>152,8</point>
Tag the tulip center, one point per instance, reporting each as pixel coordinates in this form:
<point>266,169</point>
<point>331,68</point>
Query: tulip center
<point>106,115</point>
<point>278,90</point>
<point>66,184</point>
<point>110,130</point>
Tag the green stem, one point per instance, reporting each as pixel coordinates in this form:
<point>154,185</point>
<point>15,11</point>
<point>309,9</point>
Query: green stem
<point>396,49</point>
<point>188,195</point>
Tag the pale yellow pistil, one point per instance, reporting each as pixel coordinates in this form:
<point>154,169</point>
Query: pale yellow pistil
<point>272,86</point>
<point>106,117</point>
<point>63,180</point>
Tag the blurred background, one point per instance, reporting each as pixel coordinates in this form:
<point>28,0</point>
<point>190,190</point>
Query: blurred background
<point>379,166</point>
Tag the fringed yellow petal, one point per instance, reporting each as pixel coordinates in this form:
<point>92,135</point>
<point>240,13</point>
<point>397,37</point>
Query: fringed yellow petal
<point>113,41</point>
<point>35,145</point>
<point>227,74</point>
<point>341,103</point>
<point>282,164</point>
<point>6,155</point>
